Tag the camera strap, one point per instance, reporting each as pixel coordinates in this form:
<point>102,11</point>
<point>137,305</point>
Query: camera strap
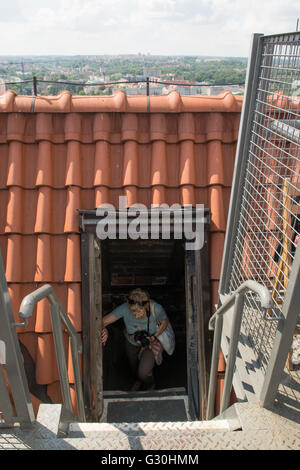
<point>148,315</point>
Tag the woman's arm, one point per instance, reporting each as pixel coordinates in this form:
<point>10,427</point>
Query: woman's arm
<point>162,327</point>
<point>107,320</point>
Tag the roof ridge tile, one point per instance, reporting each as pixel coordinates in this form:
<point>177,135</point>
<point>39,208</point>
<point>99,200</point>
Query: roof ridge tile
<point>173,102</point>
<point>7,101</point>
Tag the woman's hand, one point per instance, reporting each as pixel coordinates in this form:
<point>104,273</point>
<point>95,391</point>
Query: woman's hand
<point>104,336</point>
<point>152,338</point>
<point>162,327</point>
<point>157,349</point>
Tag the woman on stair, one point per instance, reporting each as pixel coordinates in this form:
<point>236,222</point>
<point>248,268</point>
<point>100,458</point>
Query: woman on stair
<point>142,346</point>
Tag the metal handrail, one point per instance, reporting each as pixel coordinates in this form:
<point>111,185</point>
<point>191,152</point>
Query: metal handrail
<point>216,323</point>
<point>59,316</point>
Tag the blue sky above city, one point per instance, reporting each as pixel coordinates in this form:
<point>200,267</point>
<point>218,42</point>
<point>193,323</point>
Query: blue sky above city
<point>164,27</point>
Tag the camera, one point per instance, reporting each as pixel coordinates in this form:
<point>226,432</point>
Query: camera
<point>141,336</point>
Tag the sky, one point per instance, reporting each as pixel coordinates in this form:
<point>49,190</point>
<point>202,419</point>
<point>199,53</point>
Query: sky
<point>163,27</point>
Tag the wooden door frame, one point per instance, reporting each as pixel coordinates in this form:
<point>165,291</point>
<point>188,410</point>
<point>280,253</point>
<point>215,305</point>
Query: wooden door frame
<point>91,327</point>
<point>199,342</point>
<point>199,338</point>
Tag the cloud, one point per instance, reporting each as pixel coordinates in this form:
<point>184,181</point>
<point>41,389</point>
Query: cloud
<point>202,27</point>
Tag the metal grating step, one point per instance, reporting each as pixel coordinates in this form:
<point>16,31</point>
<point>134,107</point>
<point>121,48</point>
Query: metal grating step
<point>145,408</point>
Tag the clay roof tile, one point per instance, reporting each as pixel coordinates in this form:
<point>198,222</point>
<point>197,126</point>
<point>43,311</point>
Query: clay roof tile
<point>61,154</point>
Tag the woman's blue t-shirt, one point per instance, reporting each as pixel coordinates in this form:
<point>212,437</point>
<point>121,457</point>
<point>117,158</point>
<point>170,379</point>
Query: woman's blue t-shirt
<point>138,324</point>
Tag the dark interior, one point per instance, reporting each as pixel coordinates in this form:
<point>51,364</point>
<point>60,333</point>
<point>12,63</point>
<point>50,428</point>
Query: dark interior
<point>159,267</point>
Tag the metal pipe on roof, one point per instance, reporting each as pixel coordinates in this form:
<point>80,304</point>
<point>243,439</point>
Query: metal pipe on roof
<point>236,299</point>
<point>58,316</point>
<point>28,303</point>
<point>290,129</point>
<point>249,285</point>
<point>261,290</point>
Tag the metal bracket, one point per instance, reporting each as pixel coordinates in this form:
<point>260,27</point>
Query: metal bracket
<point>81,222</point>
<point>32,104</point>
<point>268,317</point>
<point>21,324</point>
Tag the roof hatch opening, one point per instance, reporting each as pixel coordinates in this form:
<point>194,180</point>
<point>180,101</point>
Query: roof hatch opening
<point>177,279</point>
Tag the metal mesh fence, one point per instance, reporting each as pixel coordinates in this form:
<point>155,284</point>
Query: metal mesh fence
<point>269,223</point>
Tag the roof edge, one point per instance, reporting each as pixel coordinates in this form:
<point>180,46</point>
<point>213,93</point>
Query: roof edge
<point>173,102</point>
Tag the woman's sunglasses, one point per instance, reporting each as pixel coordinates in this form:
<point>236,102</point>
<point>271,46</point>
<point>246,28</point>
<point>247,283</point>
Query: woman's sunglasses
<point>141,303</point>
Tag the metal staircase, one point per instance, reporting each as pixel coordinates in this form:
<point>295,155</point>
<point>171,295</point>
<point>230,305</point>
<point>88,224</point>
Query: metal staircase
<point>259,299</point>
<point>11,357</point>
<point>244,426</point>
<point>263,221</point>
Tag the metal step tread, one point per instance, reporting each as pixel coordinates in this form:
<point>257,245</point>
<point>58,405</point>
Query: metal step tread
<point>230,440</point>
<point>242,426</point>
<point>149,429</point>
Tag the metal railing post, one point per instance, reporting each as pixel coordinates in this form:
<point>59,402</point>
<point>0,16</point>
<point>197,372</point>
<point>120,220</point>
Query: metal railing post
<point>77,377</point>
<point>240,162</point>
<point>35,86</point>
<point>216,323</point>
<point>59,317</point>
<point>284,335</point>
<point>13,359</point>
<point>234,339</point>
<point>6,408</point>
<point>75,348</point>
<point>214,367</point>
<point>61,357</point>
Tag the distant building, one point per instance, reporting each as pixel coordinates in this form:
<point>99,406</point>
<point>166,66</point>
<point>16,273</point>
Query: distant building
<point>213,59</point>
<point>87,89</point>
<point>135,91</point>
<point>151,73</point>
<point>216,90</point>
<point>188,90</point>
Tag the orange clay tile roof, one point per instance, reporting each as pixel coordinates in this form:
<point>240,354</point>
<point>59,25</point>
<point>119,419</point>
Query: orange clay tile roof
<point>61,154</point>
<point>172,103</point>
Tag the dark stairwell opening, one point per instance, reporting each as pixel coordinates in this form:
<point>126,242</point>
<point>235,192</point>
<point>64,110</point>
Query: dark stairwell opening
<point>157,266</point>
